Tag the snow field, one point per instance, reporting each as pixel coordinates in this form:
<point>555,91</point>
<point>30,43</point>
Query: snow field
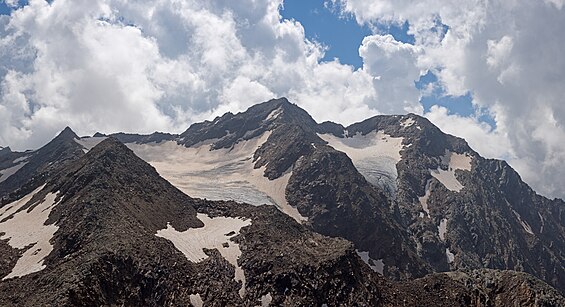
<point>375,156</point>
<point>454,161</point>
<point>27,228</point>
<point>216,233</point>
<point>221,174</point>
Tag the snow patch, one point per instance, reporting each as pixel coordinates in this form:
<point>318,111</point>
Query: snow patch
<point>375,265</point>
<point>196,300</point>
<point>375,156</point>
<point>88,143</point>
<point>453,161</point>
<point>26,228</point>
<point>216,233</point>
<point>20,159</point>
<point>221,174</point>
<point>524,224</point>
<point>542,220</point>
<point>450,256</point>
<point>274,114</point>
<point>424,199</point>
<point>266,300</point>
<point>407,122</point>
<point>442,229</point>
<point>6,173</point>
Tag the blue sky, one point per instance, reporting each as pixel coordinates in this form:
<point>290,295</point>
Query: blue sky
<point>6,10</point>
<point>342,36</point>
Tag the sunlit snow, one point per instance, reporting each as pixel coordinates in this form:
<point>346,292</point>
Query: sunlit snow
<point>216,233</point>
<point>407,122</point>
<point>196,300</point>
<point>524,224</point>
<point>442,229</point>
<point>424,199</point>
<point>375,156</point>
<point>453,161</point>
<point>274,114</point>
<point>266,300</point>
<point>221,174</point>
<point>450,256</point>
<point>26,228</point>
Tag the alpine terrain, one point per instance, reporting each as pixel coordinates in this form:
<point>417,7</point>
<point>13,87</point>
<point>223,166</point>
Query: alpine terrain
<point>270,208</point>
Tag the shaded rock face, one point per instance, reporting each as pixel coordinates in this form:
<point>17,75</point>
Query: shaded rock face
<point>324,185</point>
<point>339,202</point>
<point>494,221</point>
<point>156,137</point>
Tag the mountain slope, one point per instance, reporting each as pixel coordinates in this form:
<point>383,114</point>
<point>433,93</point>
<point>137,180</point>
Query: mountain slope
<point>464,211</point>
<point>255,157</point>
<point>412,199</point>
<point>106,229</point>
<point>111,218</point>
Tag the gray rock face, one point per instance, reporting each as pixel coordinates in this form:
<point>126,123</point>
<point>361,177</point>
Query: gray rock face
<point>494,220</point>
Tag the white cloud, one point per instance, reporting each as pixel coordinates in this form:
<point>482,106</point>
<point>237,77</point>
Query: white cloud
<point>11,3</point>
<point>140,66</point>
<point>558,3</point>
<point>480,136</point>
<point>392,65</point>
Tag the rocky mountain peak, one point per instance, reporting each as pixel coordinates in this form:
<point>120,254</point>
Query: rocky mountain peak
<point>67,134</point>
<point>229,129</point>
<point>110,151</point>
<point>38,164</point>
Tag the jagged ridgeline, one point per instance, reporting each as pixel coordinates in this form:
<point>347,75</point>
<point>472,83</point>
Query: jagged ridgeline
<point>268,207</point>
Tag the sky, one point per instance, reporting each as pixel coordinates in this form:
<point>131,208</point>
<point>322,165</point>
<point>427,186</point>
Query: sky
<point>491,71</point>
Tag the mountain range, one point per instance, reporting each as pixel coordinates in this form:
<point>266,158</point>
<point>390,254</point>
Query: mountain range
<point>269,207</point>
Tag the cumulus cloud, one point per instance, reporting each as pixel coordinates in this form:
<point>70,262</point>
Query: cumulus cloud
<point>481,136</point>
<point>508,55</point>
<point>392,65</point>
<point>141,66</point>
